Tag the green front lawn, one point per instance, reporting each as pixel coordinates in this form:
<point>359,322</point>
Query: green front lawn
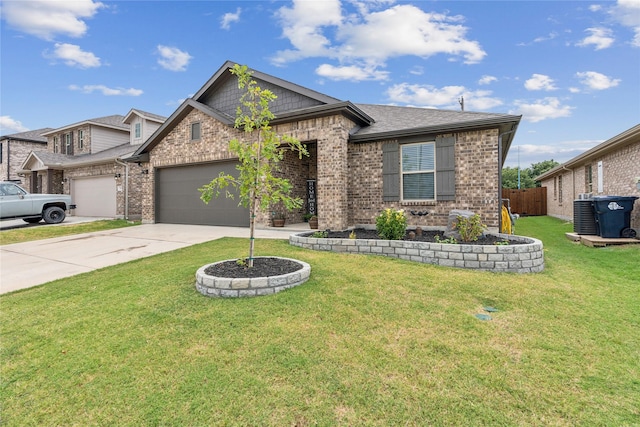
<point>366,341</point>
<point>43,231</point>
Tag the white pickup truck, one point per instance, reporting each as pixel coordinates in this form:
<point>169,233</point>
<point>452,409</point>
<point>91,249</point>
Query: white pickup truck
<point>16,202</point>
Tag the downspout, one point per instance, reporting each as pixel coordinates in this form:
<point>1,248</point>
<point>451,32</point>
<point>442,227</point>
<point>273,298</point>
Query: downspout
<point>8,159</point>
<point>573,185</point>
<point>500,176</point>
<point>126,188</point>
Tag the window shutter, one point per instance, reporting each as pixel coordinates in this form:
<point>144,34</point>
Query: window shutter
<point>390,172</point>
<point>445,168</point>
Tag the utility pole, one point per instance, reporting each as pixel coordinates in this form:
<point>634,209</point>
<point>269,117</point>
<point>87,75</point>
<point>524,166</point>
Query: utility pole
<point>518,167</point>
<point>461,102</point>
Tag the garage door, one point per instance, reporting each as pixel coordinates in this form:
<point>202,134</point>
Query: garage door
<point>178,199</point>
<point>94,196</point>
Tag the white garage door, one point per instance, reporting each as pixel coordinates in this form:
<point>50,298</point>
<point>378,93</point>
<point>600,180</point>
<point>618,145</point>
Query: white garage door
<point>94,196</point>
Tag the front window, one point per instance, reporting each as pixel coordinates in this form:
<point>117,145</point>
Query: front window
<point>588,178</point>
<point>67,144</point>
<point>560,190</point>
<point>81,139</point>
<point>138,130</point>
<point>195,131</point>
<point>56,144</point>
<point>418,171</point>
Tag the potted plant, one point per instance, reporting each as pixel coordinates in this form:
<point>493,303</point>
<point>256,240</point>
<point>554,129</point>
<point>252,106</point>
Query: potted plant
<point>306,217</point>
<point>313,222</point>
<point>278,220</point>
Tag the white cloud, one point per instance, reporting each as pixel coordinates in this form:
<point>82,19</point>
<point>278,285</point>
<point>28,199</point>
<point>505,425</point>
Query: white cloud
<point>73,56</point>
<point>320,29</point>
<point>303,25</point>
<point>172,58</point>
<point>351,72</point>
<point>485,80</point>
<point>539,82</point>
<point>9,126</point>
<point>47,18</point>
<point>627,13</point>
<point>542,109</point>
<point>600,38</point>
<point>107,91</point>
<point>560,151</point>
<point>446,97</point>
<point>417,70</point>
<point>228,18</point>
<point>596,81</point>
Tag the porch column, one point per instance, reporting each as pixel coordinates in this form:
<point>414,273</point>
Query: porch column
<point>332,162</point>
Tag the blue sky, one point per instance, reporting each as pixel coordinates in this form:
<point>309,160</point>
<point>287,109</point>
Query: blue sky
<point>571,68</point>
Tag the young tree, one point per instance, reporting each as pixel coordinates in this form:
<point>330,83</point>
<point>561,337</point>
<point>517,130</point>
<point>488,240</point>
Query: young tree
<point>259,154</point>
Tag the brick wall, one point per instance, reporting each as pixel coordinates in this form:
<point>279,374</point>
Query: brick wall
<point>327,139</point>
<point>349,176</point>
<point>77,150</point>
<point>15,152</point>
<point>476,182</point>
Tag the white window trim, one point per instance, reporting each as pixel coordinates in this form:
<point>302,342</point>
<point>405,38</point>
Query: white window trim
<point>137,130</point>
<point>402,173</point>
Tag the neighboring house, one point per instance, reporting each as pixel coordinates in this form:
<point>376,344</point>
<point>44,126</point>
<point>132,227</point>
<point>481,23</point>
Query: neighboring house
<point>15,147</point>
<point>85,160</point>
<point>363,158</point>
<point>611,168</point>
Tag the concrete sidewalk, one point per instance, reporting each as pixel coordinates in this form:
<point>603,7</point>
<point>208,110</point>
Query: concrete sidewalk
<point>33,263</point>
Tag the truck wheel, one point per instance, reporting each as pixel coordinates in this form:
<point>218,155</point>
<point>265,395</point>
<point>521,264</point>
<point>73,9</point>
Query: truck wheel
<point>53,215</point>
<point>32,220</point>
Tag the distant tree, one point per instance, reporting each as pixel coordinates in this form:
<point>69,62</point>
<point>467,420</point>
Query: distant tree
<point>259,156</point>
<point>510,178</point>
<point>538,169</point>
<point>527,175</point>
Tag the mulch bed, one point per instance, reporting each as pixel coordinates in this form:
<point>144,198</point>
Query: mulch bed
<point>268,266</point>
<point>262,267</point>
<point>428,236</point>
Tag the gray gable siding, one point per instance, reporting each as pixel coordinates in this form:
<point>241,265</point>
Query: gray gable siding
<point>226,97</point>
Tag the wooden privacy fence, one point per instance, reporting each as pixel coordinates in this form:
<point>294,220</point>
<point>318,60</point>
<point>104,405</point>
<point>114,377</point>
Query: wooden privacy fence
<point>528,201</point>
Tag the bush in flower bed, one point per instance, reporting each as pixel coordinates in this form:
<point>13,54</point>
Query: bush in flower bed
<point>391,224</point>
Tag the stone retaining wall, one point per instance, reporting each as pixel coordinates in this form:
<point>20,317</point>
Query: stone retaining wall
<point>520,258</point>
<point>213,286</point>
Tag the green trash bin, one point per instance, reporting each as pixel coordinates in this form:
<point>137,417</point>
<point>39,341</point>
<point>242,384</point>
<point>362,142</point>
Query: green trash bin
<point>613,215</point>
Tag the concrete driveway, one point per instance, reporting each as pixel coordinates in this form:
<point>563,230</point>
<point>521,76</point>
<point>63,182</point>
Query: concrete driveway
<point>28,264</point>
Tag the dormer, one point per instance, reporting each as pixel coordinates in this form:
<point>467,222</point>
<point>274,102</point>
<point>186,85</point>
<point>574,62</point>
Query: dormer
<point>142,125</point>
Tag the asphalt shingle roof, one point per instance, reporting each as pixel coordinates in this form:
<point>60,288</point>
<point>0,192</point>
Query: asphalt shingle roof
<point>30,135</point>
<point>390,118</point>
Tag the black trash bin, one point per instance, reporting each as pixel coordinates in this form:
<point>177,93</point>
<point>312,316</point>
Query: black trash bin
<point>613,215</point>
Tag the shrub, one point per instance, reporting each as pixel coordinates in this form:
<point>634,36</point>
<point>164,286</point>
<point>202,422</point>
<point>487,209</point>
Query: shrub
<point>470,228</point>
<point>391,224</point>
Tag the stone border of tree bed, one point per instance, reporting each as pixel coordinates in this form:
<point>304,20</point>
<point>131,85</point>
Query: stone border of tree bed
<point>527,257</point>
<point>213,286</point>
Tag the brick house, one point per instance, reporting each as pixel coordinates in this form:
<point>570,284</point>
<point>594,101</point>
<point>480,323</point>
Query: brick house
<point>363,158</point>
<point>15,147</point>
<point>610,168</point>
<point>84,160</point>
